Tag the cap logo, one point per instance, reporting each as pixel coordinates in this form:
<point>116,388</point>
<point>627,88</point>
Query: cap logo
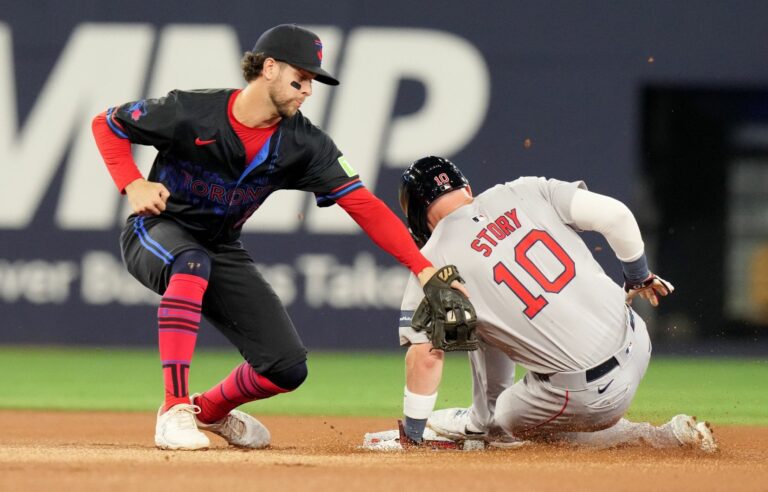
<point>319,47</point>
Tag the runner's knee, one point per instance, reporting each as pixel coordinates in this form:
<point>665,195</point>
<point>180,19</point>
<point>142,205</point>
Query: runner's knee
<point>290,378</point>
<point>192,262</point>
<point>504,414</point>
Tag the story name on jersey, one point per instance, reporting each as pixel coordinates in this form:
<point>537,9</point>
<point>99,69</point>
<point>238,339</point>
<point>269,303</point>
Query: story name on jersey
<point>499,229</point>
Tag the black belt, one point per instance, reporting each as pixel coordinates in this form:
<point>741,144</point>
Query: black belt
<point>592,374</point>
<point>599,371</point>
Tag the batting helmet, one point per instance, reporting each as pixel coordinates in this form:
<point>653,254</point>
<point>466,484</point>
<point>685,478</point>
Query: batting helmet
<point>422,183</point>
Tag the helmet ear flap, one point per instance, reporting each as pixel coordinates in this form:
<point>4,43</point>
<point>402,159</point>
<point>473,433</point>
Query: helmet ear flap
<point>417,223</point>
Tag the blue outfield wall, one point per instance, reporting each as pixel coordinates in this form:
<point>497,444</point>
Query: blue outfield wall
<point>503,88</point>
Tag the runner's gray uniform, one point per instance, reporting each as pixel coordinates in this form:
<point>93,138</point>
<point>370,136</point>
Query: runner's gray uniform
<point>542,300</point>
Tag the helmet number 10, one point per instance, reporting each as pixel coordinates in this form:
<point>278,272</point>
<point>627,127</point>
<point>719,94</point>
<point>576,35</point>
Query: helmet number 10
<point>535,303</point>
<point>442,179</point>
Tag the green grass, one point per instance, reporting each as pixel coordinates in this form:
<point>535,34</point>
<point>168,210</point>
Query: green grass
<point>727,391</point>
<point>733,391</point>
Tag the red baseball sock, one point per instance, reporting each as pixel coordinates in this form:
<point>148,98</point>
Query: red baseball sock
<point>241,386</point>
<point>178,319</point>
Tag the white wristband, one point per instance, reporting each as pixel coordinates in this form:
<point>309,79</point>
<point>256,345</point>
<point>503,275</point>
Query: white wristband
<point>418,406</point>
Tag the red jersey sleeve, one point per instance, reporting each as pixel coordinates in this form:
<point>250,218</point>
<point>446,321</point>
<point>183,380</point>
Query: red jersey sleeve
<point>116,152</point>
<point>383,227</point>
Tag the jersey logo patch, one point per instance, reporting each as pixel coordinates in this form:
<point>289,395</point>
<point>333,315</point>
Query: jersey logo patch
<point>137,110</point>
<point>346,167</point>
<point>203,142</point>
<point>479,218</point>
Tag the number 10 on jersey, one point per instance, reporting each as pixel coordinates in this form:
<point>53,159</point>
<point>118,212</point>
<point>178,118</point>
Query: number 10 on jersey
<point>535,303</point>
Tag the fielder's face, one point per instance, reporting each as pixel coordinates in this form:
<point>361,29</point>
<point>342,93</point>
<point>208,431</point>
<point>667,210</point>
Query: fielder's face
<point>289,89</point>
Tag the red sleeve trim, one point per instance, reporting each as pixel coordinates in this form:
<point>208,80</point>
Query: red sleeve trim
<point>116,153</point>
<point>345,185</point>
<point>383,227</point>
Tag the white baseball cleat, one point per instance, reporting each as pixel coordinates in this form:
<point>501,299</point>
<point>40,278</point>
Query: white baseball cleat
<point>708,443</point>
<point>238,429</point>
<point>176,429</point>
<point>454,423</point>
<point>694,434</point>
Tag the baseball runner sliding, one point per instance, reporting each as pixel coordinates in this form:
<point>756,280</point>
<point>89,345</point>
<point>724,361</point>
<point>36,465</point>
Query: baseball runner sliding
<point>541,301</point>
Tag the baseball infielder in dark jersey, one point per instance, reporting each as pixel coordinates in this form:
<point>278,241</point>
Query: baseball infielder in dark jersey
<point>543,302</point>
<point>221,153</point>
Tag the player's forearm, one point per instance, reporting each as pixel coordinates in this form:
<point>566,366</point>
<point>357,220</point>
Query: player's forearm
<point>611,218</point>
<point>384,228</point>
<point>423,371</point>
<point>116,153</point>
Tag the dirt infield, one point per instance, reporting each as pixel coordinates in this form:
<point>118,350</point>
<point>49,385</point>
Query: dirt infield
<point>115,451</point>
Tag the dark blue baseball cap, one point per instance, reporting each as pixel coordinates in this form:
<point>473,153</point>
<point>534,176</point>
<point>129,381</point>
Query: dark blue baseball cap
<point>297,46</point>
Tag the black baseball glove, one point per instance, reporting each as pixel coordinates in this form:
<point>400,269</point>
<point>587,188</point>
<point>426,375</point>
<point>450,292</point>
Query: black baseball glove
<point>446,315</point>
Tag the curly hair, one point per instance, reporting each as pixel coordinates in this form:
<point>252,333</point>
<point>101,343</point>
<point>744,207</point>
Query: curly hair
<point>251,64</point>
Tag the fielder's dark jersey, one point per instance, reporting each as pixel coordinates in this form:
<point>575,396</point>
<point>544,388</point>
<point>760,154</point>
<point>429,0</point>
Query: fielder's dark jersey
<point>201,160</point>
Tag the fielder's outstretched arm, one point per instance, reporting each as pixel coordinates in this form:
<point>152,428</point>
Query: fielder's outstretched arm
<point>385,229</point>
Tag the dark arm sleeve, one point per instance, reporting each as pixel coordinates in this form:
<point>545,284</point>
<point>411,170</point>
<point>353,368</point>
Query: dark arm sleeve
<point>383,227</point>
